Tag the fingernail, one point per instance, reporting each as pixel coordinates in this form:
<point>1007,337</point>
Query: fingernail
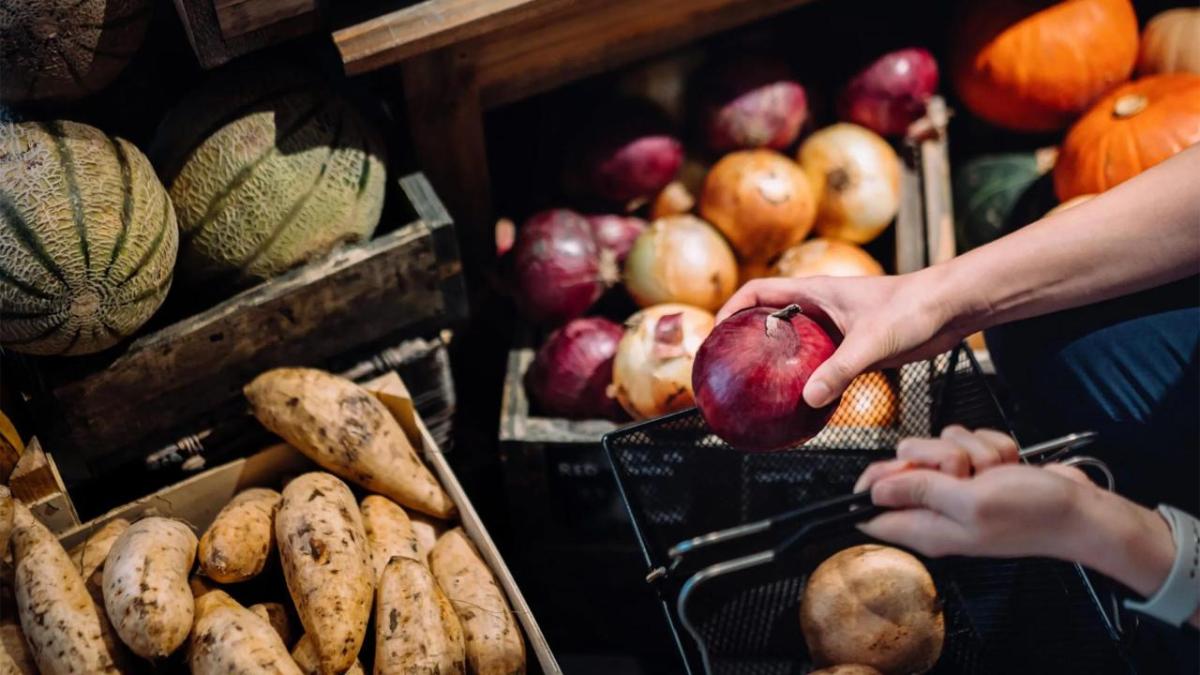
<point>818,393</point>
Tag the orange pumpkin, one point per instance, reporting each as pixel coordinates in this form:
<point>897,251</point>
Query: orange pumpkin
<point>1133,128</point>
<point>1171,43</point>
<point>1026,66</point>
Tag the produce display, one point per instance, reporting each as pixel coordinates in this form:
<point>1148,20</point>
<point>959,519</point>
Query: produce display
<point>855,177</point>
<point>873,606</point>
<point>1134,127</point>
<point>751,102</point>
<point>749,377</point>
<point>389,532</point>
<point>891,93</point>
<point>822,256</point>
<point>560,268</point>
<point>616,233</point>
<point>652,371</point>
<point>228,638</point>
<point>571,373</point>
<point>268,168</point>
<point>987,190</point>
<point>1171,43</point>
<point>681,259</point>
<point>419,631</point>
<point>87,238</point>
<point>65,49</point>
<point>630,156</point>
<point>1031,66</point>
<point>239,542</point>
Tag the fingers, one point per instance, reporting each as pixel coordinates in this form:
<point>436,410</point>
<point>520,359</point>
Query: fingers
<point>773,292</point>
<point>922,530</point>
<point>1069,472</point>
<point>857,353</point>
<point>923,488</point>
<point>935,453</point>
<point>878,471</point>
<point>984,450</point>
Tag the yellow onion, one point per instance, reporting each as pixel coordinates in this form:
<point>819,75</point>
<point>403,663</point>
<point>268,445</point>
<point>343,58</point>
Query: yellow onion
<point>681,259</point>
<point>652,371</point>
<point>1072,202</point>
<point>869,401</point>
<point>822,256</point>
<point>856,176</point>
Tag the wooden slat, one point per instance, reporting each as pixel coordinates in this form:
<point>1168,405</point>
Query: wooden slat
<point>592,36</point>
<point>238,17</point>
<point>427,26</point>
<point>212,48</point>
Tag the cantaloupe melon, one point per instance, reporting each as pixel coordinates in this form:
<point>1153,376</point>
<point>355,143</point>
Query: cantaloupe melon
<point>268,169</point>
<point>87,238</point>
<point>64,49</point>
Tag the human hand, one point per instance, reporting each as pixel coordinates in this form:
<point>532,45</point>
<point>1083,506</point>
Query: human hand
<point>884,322</point>
<point>958,453</point>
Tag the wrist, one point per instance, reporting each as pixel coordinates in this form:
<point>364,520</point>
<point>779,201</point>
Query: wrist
<point>943,298</point>
<point>1121,540</point>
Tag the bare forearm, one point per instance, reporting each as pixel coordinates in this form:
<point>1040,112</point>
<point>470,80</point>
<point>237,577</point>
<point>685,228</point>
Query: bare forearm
<point>1142,233</point>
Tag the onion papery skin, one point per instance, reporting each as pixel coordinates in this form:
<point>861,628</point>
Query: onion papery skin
<point>629,155</point>
<point>856,177</point>
<point>571,373</point>
<point>653,378</point>
<point>890,94</point>
<point>560,271</point>
<point>681,259</point>
<point>749,379</point>
<point>822,256</point>
<point>751,102</point>
<point>616,233</point>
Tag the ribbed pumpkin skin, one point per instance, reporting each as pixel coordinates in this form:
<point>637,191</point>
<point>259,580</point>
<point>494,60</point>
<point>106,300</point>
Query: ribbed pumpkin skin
<point>64,49</point>
<point>87,238</point>
<point>1029,65</point>
<point>1105,148</point>
<point>267,170</point>
<point>1171,43</point>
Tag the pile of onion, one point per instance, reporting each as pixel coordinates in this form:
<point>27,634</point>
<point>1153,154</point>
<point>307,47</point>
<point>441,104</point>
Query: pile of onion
<point>616,233</point>
<point>679,196</point>
<point>681,259</point>
<point>869,401</point>
<point>821,256</point>
<point>761,201</point>
<point>572,371</point>
<point>749,378</point>
<point>652,372</point>
<point>856,176</point>
<point>631,155</point>
<point>559,269</point>
<point>891,93</point>
<point>751,102</point>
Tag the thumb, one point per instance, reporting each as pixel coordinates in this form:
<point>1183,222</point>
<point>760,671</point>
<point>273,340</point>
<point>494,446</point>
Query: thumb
<point>830,379</point>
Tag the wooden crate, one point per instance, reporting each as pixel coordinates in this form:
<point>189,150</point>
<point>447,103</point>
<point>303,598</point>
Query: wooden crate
<point>220,30</point>
<point>186,378</point>
<point>198,499</point>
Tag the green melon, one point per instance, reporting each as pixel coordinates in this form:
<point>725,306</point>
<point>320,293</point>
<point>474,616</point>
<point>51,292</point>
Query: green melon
<point>987,189</point>
<point>87,238</point>
<point>64,49</point>
<point>267,169</point>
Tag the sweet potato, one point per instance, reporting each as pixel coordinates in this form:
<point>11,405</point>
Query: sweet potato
<point>276,615</point>
<point>239,541</point>
<point>65,629</point>
<point>146,586</point>
<point>427,530</point>
<point>416,629</point>
<point>389,532</point>
<point>305,656</point>
<point>493,640</point>
<point>15,658</point>
<point>346,430</point>
<point>229,639</point>
<point>90,555</point>
<point>327,565</point>
<point>6,519</point>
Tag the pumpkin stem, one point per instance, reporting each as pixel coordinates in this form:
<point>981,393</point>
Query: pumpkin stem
<point>1129,105</point>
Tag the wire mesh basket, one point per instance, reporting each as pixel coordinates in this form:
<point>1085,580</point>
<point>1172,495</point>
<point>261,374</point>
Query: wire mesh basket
<point>680,481</point>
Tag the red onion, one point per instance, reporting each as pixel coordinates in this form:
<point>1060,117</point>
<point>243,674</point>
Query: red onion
<point>749,378</point>
<point>752,102</point>
<point>616,233</point>
<point>570,375</point>
<point>560,270</point>
<point>890,94</point>
<point>630,156</point>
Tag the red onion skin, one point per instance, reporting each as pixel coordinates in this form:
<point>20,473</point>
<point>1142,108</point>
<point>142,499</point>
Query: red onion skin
<point>749,378</point>
<point>558,267</point>
<point>890,94</point>
<point>752,103</point>
<point>570,375</point>
<point>616,233</point>
<point>629,155</point>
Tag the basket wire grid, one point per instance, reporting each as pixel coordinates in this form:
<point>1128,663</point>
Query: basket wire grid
<point>679,481</point>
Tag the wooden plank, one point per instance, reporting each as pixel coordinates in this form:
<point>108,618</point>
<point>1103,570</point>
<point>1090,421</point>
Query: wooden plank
<point>238,17</point>
<point>935,181</point>
<point>427,26</point>
<point>592,36</point>
<point>212,48</point>
<point>446,124</point>
<point>34,477</point>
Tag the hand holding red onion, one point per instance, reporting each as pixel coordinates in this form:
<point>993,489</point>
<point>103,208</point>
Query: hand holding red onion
<point>749,378</point>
